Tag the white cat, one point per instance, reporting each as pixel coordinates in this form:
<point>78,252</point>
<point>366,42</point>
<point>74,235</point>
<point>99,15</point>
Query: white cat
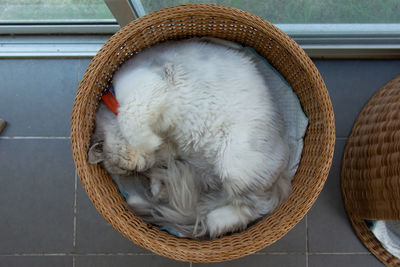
<point>207,104</point>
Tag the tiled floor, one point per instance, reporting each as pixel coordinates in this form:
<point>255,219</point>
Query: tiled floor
<point>46,218</point>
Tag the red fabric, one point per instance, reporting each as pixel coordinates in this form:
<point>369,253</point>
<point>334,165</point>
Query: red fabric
<point>111,102</point>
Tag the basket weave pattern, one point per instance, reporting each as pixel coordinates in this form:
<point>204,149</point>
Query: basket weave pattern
<point>370,169</point>
<point>282,53</point>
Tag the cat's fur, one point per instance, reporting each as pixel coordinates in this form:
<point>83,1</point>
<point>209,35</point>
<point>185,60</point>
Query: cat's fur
<point>199,118</point>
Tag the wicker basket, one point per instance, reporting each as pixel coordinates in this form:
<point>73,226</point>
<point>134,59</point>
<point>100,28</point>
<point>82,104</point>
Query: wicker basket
<point>370,168</point>
<point>283,53</point>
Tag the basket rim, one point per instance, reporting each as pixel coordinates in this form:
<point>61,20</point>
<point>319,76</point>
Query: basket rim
<point>220,248</point>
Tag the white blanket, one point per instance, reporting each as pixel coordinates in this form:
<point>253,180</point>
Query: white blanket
<point>295,120</point>
<point>388,233</point>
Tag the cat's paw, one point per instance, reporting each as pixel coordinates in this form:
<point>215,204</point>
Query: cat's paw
<point>140,206</point>
<point>157,185</point>
<point>124,160</point>
<point>137,132</point>
<point>225,219</point>
<point>138,161</point>
<point>137,201</point>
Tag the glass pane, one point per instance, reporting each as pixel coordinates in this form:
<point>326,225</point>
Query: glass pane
<point>305,11</point>
<point>55,11</point>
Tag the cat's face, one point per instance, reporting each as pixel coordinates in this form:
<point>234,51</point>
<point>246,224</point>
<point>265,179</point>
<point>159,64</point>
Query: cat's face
<point>110,149</point>
<point>119,158</point>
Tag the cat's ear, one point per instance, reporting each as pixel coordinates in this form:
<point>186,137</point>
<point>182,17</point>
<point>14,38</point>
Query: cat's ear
<point>95,154</point>
<point>169,73</point>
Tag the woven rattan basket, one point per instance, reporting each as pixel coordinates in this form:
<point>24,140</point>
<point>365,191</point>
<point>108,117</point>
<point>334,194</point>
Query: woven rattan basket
<point>231,24</point>
<point>370,168</point>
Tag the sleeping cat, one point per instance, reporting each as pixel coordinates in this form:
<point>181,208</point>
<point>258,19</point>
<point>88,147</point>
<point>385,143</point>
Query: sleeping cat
<point>197,119</point>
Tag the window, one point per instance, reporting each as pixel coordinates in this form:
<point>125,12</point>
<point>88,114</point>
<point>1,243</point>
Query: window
<point>324,28</point>
<point>305,11</point>
<point>54,12</point>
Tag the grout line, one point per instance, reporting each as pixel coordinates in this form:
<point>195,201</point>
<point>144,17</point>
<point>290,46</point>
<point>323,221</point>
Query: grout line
<point>152,254</point>
<point>190,264</point>
<point>340,253</point>
<point>75,202</point>
<point>36,137</point>
<point>75,254</point>
<point>73,261</point>
<point>307,241</point>
<point>278,253</point>
<point>116,254</point>
<point>35,254</point>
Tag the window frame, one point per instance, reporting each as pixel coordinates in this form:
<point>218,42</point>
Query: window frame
<point>333,41</point>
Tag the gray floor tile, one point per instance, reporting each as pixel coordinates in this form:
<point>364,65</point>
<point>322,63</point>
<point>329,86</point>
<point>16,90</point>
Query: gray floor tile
<point>351,83</point>
<point>343,260</point>
<point>82,66</point>
<point>89,226</point>
<point>122,261</point>
<point>36,196</point>
<point>294,241</point>
<point>262,260</point>
<point>328,226</point>
<point>35,261</point>
<point>37,95</point>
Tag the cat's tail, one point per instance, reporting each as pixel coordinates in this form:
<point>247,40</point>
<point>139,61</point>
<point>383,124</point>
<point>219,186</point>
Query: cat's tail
<point>277,193</point>
<point>183,191</point>
<point>190,213</point>
<point>178,213</point>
